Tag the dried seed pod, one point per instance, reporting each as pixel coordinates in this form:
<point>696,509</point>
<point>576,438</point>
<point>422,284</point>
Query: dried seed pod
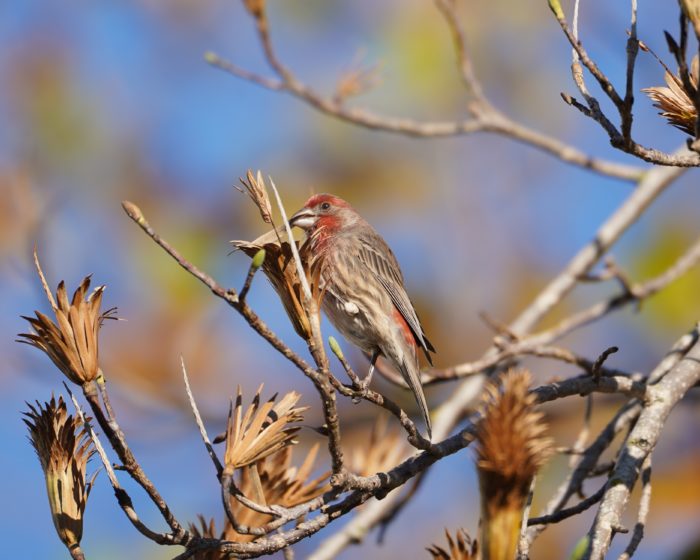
<point>72,341</point>
<point>64,449</point>
<point>674,102</point>
<point>512,446</point>
<point>278,266</point>
<point>261,430</point>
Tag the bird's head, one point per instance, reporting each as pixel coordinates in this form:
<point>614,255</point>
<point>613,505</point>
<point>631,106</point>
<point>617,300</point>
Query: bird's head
<point>324,212</point>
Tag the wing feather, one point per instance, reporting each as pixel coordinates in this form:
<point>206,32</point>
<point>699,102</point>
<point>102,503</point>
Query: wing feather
<point>376,255</point>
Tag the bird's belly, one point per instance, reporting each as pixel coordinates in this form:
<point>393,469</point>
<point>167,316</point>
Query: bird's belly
<point>350,321</point>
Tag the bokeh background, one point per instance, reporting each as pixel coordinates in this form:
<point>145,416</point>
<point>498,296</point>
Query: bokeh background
<point>105,101</point>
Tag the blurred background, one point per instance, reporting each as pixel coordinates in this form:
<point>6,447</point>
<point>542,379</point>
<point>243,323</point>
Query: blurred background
<point>105,101</point>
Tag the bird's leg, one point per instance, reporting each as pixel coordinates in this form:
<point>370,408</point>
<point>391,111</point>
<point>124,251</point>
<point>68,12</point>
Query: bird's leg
<point>368,378</point>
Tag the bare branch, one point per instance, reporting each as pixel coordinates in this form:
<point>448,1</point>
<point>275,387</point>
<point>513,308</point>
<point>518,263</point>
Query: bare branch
<point>563,514</point>
<point>649,188</point>
<point>486,119</point>
<point>123,498</point>
<point>662,398</point>
<point>632,50</point>
<point>198,419</point>
<point>588,462</point>
<point>585,385</point>
<point>228,295</point>
<point>380,484</point>
<point>118,442</point>
<point>621,140</point>
<point>448,9</point>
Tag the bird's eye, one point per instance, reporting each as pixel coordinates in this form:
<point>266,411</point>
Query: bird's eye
<point>326,206</point>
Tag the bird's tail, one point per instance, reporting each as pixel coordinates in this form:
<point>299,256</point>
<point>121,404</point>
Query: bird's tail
<point>411,375</point>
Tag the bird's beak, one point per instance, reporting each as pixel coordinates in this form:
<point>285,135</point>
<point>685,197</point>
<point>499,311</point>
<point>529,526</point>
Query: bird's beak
<point>304,219</point>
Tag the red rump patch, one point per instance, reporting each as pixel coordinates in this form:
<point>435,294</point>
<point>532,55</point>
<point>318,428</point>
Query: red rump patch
<point>405,329</point>
<point>325,197</point>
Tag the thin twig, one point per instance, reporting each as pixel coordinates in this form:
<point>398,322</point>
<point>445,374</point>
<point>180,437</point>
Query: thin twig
<point>315,341</point>
<point>359,391</point>
<point>252,269</point>
<point>490,120</point>
<point>229,296</point>
<point>123,498</point>
<point>198,419</point>
<point>582,438</point>
<point>104,395</point>
<point>588,461</point>
<point>523,545</point>
<point>619,139</point>
<point>530,346</point>
<point>628,102</point>
<point>448,9</point>
<point>563,514</point>
<point>600,360</point>
<point>653,184</point>
<point>118,442</point>
<point>292,244</point>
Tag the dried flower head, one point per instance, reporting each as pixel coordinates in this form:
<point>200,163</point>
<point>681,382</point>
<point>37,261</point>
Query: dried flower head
<point>460,548</point>
<point>63,448</point>
<point>512,447</point>
<point>262,430</point>
<point>676,104</point>
<point>70,342</point>
<point>280,270</point>
<point>275,481</point>
<point>386,448</point>
<point>257,190</point>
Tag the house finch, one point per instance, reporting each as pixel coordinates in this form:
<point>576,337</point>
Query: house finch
<point>363,291</point>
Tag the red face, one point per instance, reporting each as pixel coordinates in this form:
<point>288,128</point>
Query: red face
<point>321,211</point>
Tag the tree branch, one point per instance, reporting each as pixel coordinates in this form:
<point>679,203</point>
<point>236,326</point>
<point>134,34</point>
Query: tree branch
<point>662,397</point>
<point>485,117</point>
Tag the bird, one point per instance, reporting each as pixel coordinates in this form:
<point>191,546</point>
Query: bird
<point>363,290</point>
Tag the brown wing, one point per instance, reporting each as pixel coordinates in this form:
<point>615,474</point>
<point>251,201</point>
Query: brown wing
<point>376,255</point>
